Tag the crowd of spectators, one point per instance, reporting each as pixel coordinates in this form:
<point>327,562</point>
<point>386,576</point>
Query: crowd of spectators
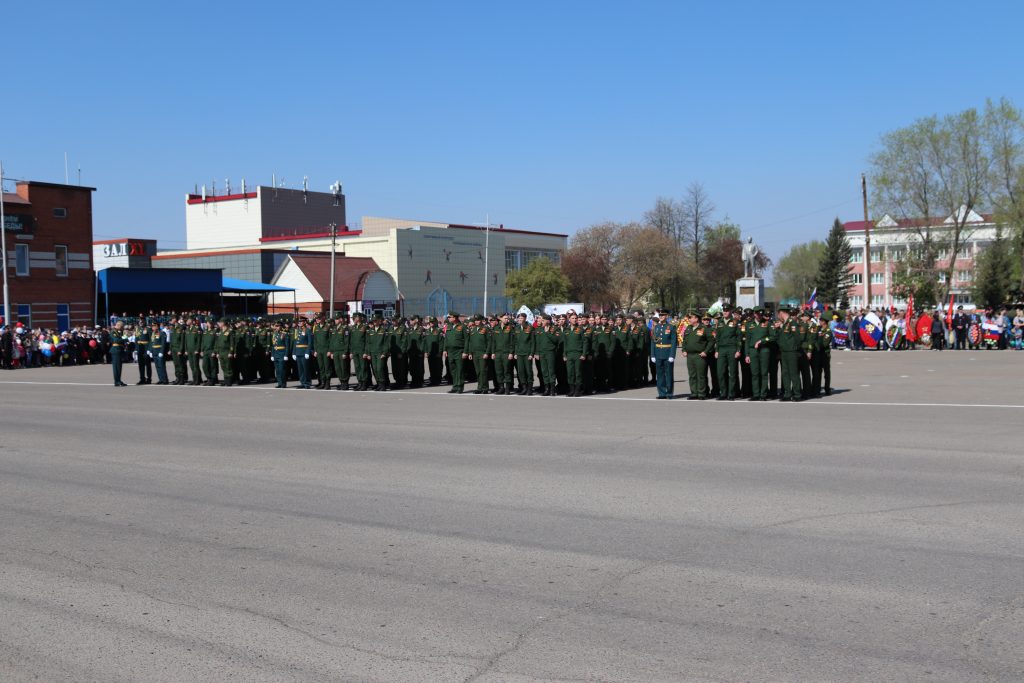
<point>23,347</point>
<point>980,329</point>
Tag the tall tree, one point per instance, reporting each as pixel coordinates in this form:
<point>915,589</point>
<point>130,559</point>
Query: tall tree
<point>1004,137</point>
<point>798,270</point>
<point>667,217</point>
<point>697,211</point>
<point>588,263</point>
<point>540,282</point>
<point>994,273</point>
<point>834,279</point>
<point>646,258</point>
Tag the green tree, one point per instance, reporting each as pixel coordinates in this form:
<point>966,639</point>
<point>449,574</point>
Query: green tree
<point>834,279</point>
<point>798,270</point>
<point>994,272</point>
<point>541,282</point>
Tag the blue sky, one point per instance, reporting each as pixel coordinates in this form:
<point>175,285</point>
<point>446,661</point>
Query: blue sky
<point>550,116</point>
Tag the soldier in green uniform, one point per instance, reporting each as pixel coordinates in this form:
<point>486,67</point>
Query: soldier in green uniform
<point>711,323</point>
<point>455,351</point>
<point>810,340</point>
<point>176,350</point>
<point>302,347</point>
<point>575,349</point>
<point>142,339</point>
<point>400,353</point>
<point>117,343</point>
<point>415,353</point>
<point>524,350</point>
<point>225,350</point>
<point>209,350</point>
<point>824,362</point>
<point>697,342</point>
<point>503,352</point>
<point>321,347</point>
<point>433,351</point>
<point>158,352</point>
<point>548,345</point>
<point>663,353</point>
<point>193,337</point>
<point>727,354</point>
<point>478,349</point>
<point>339,350</point>
<point>378,348</point>
<point>357,347</point>
<point>757,337</point>
<point>790,340</point>
<point>280,349</point>
<point>775,359</point>
<point>640,342</point>
<point>622,353</point>
<point>602,348</point>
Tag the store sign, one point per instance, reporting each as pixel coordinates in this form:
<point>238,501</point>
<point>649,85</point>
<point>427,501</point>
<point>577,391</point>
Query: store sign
<point>19,223</point>
<point>124,249</point>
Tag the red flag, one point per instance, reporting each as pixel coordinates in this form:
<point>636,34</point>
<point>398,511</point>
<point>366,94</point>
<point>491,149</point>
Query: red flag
<point>949,316</point>
<point>909,327</point>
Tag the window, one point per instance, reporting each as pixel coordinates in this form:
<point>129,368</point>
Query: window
<point>877,300</point>
<point>21,259</point>
<point>25,315</point>
<point>63,317</point>
<point>876,254</point>
<point>964,251</point>
<point>856,301</point>
<point>964,276</point>
<point>60,260</point>
<point>897,254</point>
<point>942,278</point>
<point>857,279</point>
<point>857,256</point>
<point>512,260</point>
<point>943,254</point>
<point>878,278</point>
<point>60,212</point>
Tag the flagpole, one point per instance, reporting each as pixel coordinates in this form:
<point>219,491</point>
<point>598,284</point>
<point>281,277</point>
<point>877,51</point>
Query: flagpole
<point>3,249</point>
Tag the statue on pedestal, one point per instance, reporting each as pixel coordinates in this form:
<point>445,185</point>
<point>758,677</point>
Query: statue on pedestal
<point>750,252</point>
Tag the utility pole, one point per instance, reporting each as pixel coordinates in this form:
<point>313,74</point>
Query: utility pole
<point>867,242</point>
<point>3,248</point>
<point>334,241</point>
<point>487,254</point>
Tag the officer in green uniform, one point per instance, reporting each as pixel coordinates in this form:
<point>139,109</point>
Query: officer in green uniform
<point>602,348</point>
<point>823,366</point>
<point>697,342</point>
<point>775,359</point>
<point>622,353</point>
<point>399,353</point>
<point>548,345</point>
<point>415,353</point>
<point>357,347</point>
<point>503,351</point>
<point>176,350</point>
<point>321,347</point>
<point>225,350</point>
<point>302,347</point>
<point>280,349</point>
<point>193,350</point>
<point>209,348</point>
<point>433,351</point>
<point>524,350</point>
<point>663,354</point>
<point>117,343</point>
<point>142,339</point>
<point>575,349</point>
<point>727,354</point>
<point>790,341</point>
<point>158,352</point>
<point>455,339</point>
<point>478,349</point>
<point>757,338</point>
<point>809,341</point>
<point>340,351</point>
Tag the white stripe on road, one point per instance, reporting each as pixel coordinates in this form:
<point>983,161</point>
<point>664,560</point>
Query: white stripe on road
<point>403,392</point>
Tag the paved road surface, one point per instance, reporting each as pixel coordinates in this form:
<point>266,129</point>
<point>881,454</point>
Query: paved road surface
<point>253,534</point>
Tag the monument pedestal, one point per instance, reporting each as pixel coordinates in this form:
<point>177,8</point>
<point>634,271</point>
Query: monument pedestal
<point>749,292</point>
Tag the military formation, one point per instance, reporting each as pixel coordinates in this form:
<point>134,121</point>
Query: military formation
<point>731,355</point>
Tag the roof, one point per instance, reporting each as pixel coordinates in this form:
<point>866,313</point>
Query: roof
<point>889,223</point>
<point>232,284</point>
<point>11,198</point>
<point>350,273</point>
<point>159,281</point>
<point>58,186</point>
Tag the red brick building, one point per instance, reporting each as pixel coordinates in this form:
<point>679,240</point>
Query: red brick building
<point>48,228</point>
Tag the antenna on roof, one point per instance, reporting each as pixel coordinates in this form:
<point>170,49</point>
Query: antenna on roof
<point>243,185</point>
<point>213,188</point>
<point>305,188</point>
<point>204,193</point>
<point>227,185</point>
<point>336,190</point>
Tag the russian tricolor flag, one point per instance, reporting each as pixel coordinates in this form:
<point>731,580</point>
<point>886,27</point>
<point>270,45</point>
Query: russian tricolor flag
<point>812,303</point>
<point>871,330</point>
